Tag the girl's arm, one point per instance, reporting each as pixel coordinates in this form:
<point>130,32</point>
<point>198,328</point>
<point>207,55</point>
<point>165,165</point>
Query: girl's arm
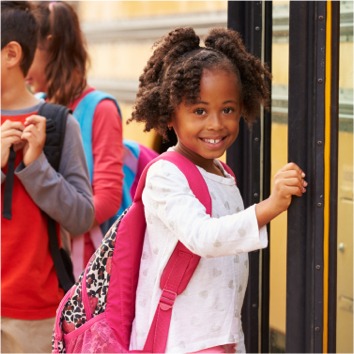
<point>288,181</point>
<point>107,149</point>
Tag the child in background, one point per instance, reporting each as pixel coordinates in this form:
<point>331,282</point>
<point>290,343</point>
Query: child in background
<point>59,70</point>
<point>202,93</point>
<point>30,292</point>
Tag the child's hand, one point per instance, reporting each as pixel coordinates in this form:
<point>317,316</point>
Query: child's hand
<point>288,181</point>
<point>34,134</point>
<point>10,135</point>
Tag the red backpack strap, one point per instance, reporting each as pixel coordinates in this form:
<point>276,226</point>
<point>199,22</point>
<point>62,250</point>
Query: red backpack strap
<point>182,263</point>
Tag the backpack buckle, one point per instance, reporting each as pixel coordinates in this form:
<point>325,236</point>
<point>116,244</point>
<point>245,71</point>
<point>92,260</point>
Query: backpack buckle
<point>167,299</point>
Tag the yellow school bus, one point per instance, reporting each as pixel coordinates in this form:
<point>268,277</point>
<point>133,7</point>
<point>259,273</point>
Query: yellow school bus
<point>300,295</point>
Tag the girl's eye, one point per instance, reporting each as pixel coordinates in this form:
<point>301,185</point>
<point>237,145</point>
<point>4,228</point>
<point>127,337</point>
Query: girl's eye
<point>228,110</point>
<point>199,111</point>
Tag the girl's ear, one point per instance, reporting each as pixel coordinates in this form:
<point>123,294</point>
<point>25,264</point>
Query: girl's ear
<point>12,54</point>
<point>171,121</point>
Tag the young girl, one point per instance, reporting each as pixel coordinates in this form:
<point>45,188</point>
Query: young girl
<point>59,70</point>
<point>202,93</point>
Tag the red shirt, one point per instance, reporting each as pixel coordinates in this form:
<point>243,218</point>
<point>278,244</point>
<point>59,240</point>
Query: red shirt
<point>29,284</point>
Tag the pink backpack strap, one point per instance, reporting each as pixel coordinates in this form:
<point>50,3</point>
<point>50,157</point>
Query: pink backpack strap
<point>182,263</point>
<point>228,169</point>
<point>58,335</point>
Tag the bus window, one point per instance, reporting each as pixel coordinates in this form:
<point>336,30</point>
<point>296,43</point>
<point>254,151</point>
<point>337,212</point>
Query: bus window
<point>345,184</point>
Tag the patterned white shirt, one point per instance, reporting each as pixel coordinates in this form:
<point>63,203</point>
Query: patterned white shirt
<point>208,312</point>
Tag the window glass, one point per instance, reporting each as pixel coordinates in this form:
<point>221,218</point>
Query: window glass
<point>345,183</point>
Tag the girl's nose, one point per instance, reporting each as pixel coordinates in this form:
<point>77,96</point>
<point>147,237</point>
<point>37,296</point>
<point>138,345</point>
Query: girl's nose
<point>214,121</point>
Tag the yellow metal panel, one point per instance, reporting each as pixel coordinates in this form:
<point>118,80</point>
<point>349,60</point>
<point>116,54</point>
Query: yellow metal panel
<point>280,71</point>
<point>123,61</point>
<point>96,11</point>
<point>278,229</point>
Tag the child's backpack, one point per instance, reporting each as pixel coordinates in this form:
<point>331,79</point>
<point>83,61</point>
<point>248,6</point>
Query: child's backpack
<point>96,315</point>
<point>136,156</point>
<point>56,118</point>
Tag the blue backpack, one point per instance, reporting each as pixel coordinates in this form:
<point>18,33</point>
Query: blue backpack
<point>136,155</point>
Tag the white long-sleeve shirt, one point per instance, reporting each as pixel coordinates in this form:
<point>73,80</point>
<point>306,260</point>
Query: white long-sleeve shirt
<point>208,312</point>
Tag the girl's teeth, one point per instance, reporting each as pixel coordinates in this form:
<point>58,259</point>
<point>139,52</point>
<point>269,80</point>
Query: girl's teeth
<point>212,141</point>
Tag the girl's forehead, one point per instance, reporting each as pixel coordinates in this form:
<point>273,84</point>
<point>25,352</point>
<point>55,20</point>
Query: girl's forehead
<point>216,86</point>
<point>221,71</point>
<point>219,75</point>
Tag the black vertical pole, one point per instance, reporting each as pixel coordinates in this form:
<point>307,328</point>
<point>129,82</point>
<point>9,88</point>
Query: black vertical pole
<point>304,308</point>
<point>334,128</point>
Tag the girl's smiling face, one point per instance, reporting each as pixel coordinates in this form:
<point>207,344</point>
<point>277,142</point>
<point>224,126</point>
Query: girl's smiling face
<point>206,128</point>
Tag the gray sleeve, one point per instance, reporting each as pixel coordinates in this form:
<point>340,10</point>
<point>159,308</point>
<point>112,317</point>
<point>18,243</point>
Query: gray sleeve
<point>66,195</point>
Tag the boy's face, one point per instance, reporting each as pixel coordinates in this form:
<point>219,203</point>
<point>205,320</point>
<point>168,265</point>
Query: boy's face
<point>36,77</point>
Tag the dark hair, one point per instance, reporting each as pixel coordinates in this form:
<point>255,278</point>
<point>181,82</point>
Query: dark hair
<point>174,71</point>
<point>66,46</point>
<point>19,25</point>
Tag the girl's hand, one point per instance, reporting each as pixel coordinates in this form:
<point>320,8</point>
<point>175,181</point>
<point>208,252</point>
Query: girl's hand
<point>34,134</point>
<point>10,135</point>
<point>288,181</point>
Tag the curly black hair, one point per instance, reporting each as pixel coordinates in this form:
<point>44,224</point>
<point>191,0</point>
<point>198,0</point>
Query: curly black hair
<point>174,71</point>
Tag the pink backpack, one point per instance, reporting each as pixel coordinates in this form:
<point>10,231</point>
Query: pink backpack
<point>96,314</point>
